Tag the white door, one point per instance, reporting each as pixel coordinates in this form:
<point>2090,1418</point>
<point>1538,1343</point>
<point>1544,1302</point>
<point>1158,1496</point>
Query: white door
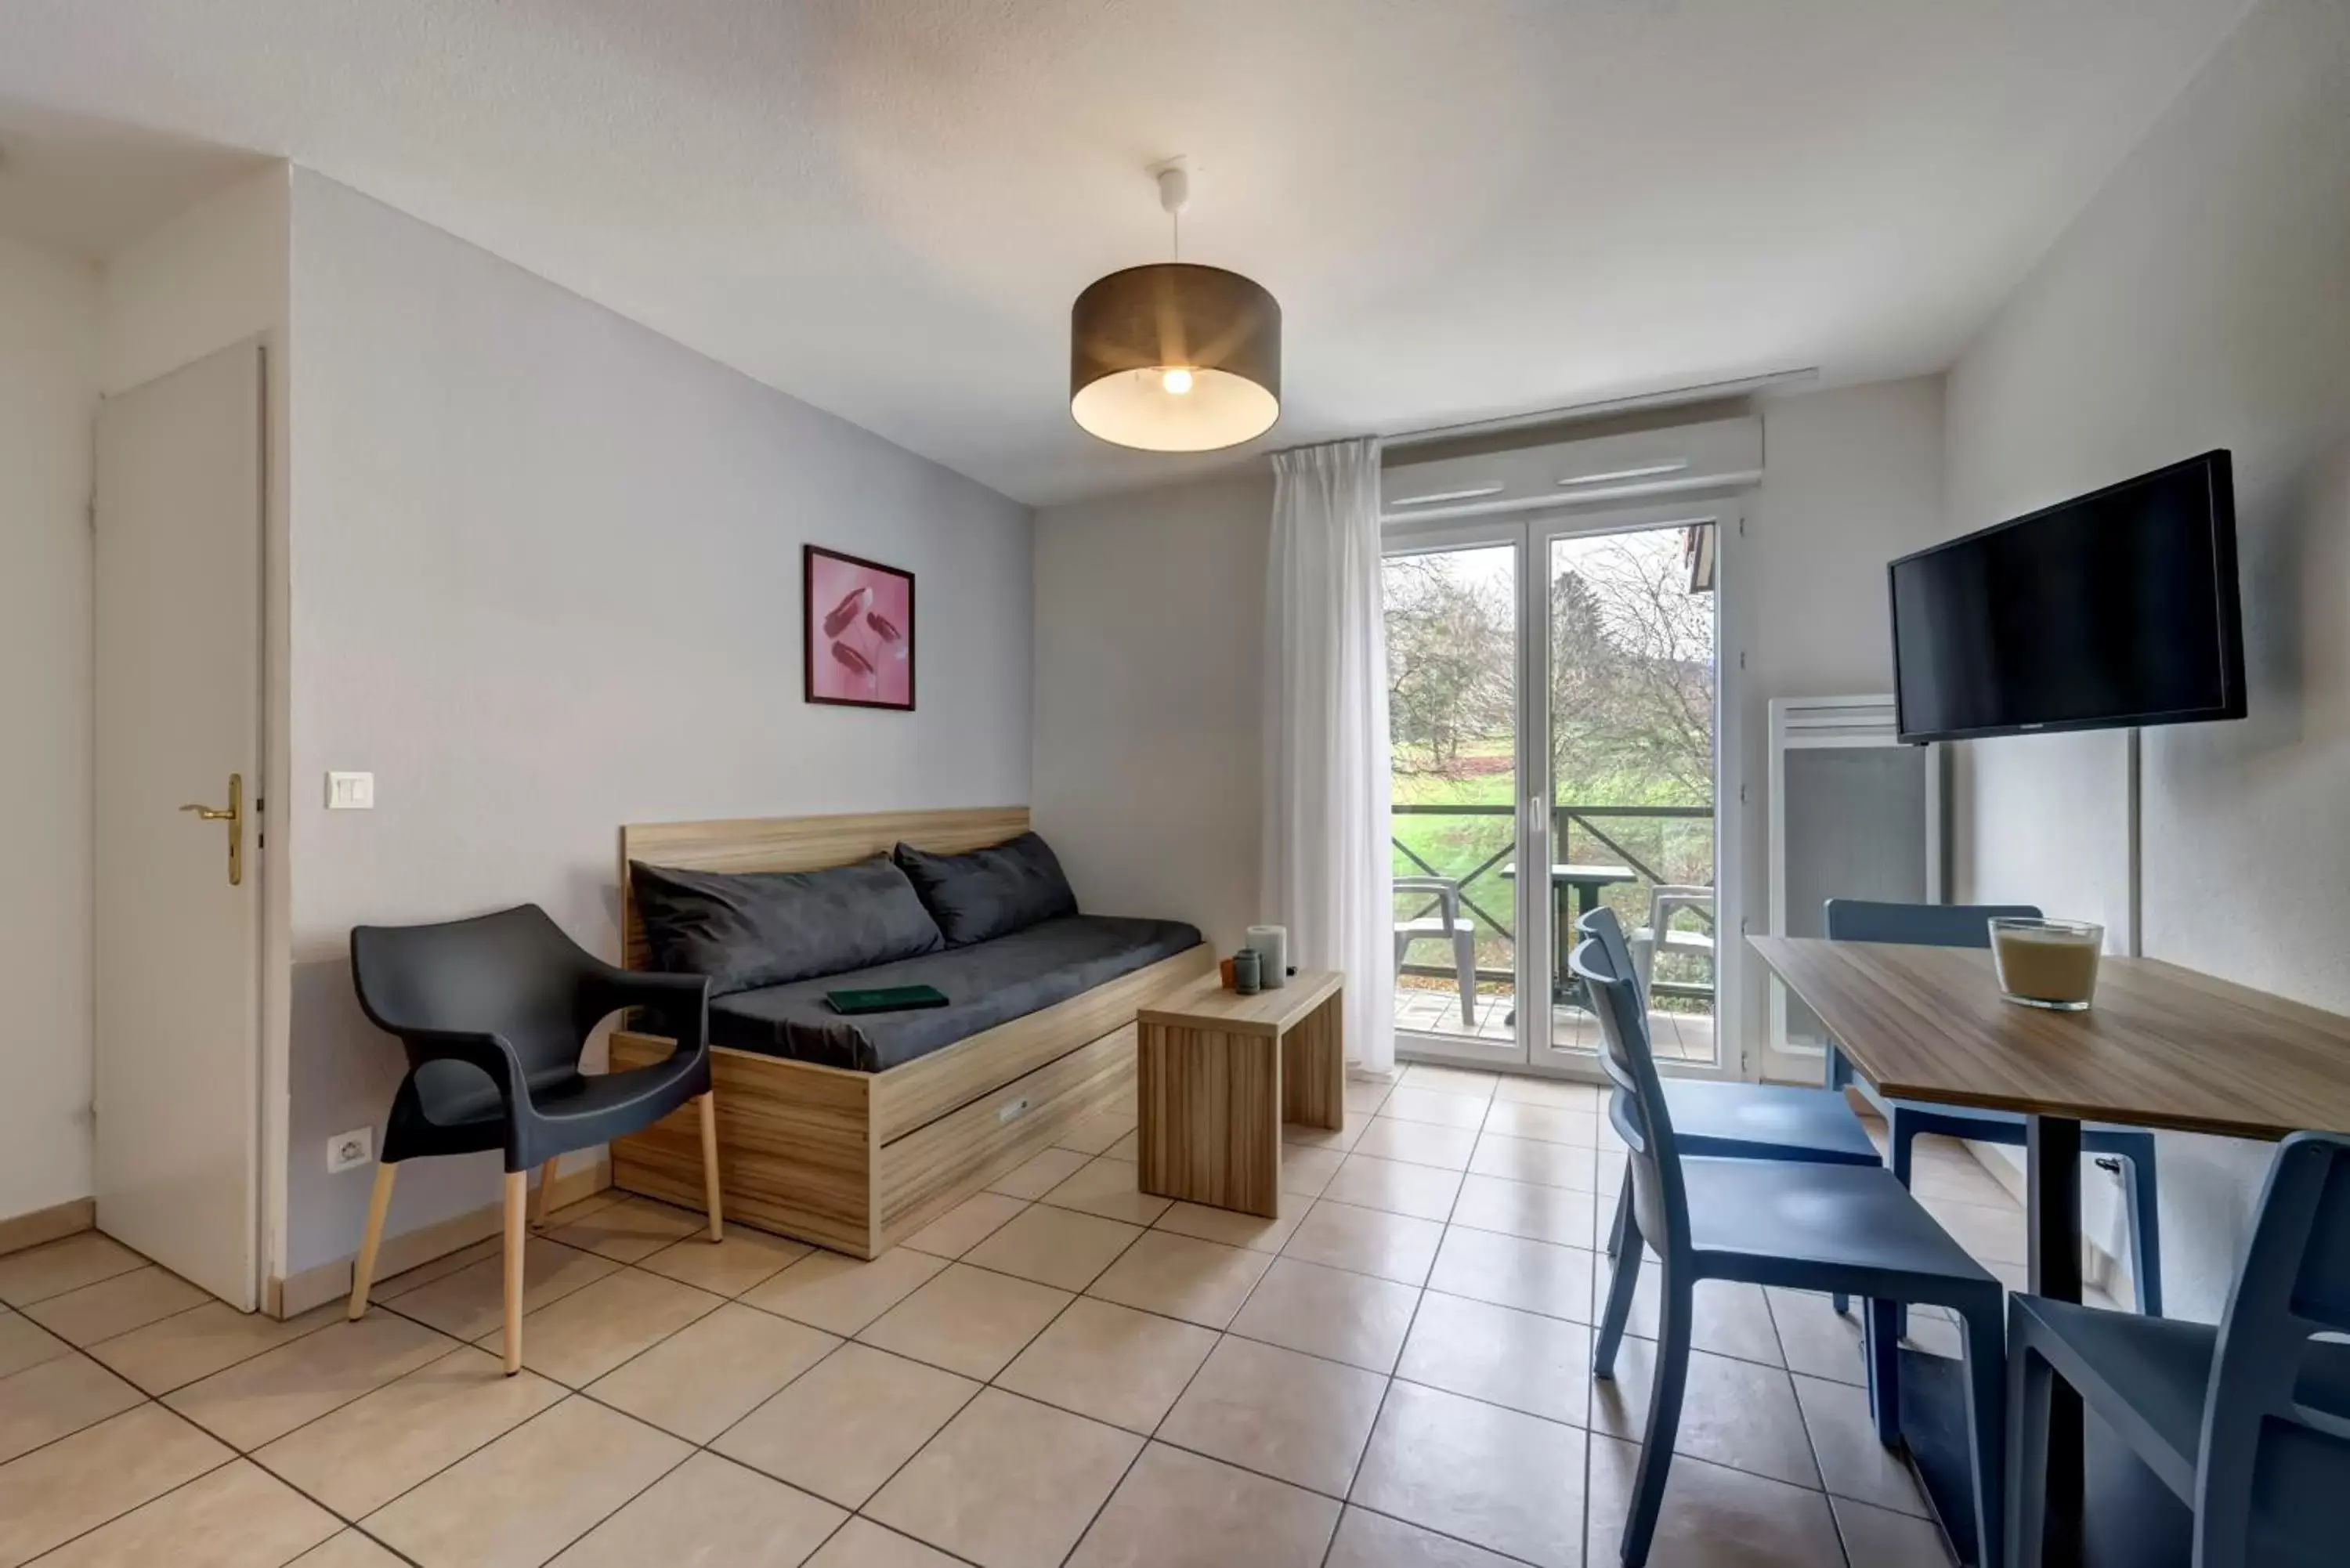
<point>179,673</point>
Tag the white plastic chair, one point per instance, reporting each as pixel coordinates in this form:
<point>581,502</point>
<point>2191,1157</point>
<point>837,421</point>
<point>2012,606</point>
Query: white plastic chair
<point>1462,932</point>
<point>1667,899</point>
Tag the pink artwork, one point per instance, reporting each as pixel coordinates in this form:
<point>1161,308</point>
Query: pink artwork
<point>860,632</point>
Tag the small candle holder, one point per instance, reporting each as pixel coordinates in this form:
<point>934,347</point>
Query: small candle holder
<point>2047,963</point>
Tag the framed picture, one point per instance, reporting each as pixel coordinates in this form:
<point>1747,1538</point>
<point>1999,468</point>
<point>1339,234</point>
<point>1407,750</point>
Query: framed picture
<point>860,630</point>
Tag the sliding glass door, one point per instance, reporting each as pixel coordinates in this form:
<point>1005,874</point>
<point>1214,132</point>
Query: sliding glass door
<point>1556,711</point>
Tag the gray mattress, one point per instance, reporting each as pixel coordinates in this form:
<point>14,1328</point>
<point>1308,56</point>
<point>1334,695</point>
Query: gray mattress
<point>986,984</point>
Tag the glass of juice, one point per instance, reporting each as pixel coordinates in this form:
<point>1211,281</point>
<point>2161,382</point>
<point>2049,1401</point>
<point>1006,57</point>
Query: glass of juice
<point>2047,963</point>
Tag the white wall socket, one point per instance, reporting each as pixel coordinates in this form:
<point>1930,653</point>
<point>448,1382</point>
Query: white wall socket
<point>346,1151</point>
<point>350,792</point>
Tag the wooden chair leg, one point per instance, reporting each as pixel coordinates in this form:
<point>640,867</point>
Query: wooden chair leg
<point>538,1200</point>
<point>517,1238</point>
<point>363,1272</point>
<point>708,1102</point>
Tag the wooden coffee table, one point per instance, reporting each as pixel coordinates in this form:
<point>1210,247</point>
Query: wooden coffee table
<point>1220,1072</point>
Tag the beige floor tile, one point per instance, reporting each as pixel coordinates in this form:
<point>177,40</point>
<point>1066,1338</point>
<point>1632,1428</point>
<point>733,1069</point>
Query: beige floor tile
<point>1305,1172</point>
<point>1368,1241</point>
<point>1432,1106</point>
<point>1109,1189</point>
<point>1094,1134</point>
<point>1558,1092</point>
<point>75,1484</point>
<point>1057,1247</point>
<point>1398,1187</point>
<point>1330,1313</point>
<point>1545,1124</point>
<point>1177,1510</point>
<point>1712,1517</point>
<point>1730,1320</point>
<point>1879,1538</point>
<point>840,1294</point>
<point>711,1374</point>
<point>1198,1282</point>
<point>1234,1228</point>
<point>1852,1462</point>
<point>54,1268</point>
<point>470,1302</point>
<point>1009,1483</point>
<point>191,1345</point>
<point>843,1427</point>
<point>1129,1147</point>
<point>1325,1140</point>
<point>1514,1271</point>
<point>117,1305</point>
<point>628,1231</point>
<point>728,1268</point>
<point>1111,1363</point>
<point>1544,1164</point>
<point>1040,1175</point>
<point>861,1544</point>
<point>1556,1214</point>
<point>1367,1539</point>
<point>363,1456</point>
<point>709,1512</point>
<point>236,1517</point>
<point>267,1397</point>
<point>1450,1080</point>
<point>438,1268</point>
<point>1814,1339</point>
<point>967,1320</point>
<point>1364,1097</point>
<point>589,1331</point>
<point>523,1499</point>
<point>1418,1143</point>
<point>1296,1417</point>
<point>1495,1478</point>
<point>50,1398</point>
<point>1523,1360</point>
<point>1733,1413</point>
<point>1940,1168</point>
<point>1994,1235</point>
<point>351,1549</point>
<point>24,1342</point>
<point>966,1225</point>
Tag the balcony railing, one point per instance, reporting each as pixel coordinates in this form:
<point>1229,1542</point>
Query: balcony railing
<point>1603,825</point>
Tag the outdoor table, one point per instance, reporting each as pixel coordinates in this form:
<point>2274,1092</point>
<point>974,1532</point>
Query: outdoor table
<point>1582,884</point>
<point>2163,1048</point>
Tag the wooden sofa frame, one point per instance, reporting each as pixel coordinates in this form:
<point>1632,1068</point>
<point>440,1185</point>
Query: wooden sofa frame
<point>858,1161</point>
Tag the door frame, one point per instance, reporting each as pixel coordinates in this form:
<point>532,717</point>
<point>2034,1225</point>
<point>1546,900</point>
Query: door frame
<point>1531,534</point>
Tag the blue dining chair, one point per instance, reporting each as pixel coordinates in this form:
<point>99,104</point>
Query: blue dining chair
<point>1739,1121</point>
<point>2247,1422</point>
<point>1796,1224</point>
<point>1968,926</point>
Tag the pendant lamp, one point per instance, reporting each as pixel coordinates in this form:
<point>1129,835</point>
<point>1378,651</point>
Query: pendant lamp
<point>1175,357</point>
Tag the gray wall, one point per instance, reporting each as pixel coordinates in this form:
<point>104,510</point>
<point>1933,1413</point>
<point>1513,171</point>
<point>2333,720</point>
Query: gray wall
<point>2201,300</point>
<point>545,580</point>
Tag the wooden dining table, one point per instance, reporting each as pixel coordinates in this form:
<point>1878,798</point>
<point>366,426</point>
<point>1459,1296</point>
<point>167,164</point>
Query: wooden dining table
<point>2162,1047</point>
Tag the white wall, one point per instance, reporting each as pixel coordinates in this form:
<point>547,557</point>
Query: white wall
<point>1150,699</point>
<point>546,581</point>
<point>48,397</point>
<point>2201,300</point>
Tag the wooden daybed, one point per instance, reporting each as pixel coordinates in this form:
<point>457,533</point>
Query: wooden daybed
<point>857,1161</point>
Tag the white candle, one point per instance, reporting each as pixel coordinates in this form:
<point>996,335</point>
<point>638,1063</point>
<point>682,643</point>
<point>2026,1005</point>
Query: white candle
<point>1270,944</point>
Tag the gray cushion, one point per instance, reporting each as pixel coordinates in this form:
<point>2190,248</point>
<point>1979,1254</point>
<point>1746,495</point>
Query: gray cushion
<point>768,927</point>
<point>986,984</point>
<point>990,892</point>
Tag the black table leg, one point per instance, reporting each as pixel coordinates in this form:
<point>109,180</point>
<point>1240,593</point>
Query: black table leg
<point>2054,1150</point>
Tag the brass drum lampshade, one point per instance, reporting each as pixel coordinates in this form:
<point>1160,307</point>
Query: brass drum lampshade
<point>1175,357</point>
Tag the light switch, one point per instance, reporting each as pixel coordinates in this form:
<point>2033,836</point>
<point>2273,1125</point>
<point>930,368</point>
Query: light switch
<point>350,792</point>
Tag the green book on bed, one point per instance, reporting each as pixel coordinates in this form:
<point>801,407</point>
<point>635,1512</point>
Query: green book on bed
<point>885,998</point>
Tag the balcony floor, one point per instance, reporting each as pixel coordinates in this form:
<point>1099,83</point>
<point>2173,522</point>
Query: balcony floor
<point>1435,1010</point>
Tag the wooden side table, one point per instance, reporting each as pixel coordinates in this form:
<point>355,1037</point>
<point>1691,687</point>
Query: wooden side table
<point>1218,1074</point>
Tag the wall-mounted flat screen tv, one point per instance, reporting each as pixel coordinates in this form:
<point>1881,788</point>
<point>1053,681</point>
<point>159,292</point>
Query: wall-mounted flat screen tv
<point>2115,610</point>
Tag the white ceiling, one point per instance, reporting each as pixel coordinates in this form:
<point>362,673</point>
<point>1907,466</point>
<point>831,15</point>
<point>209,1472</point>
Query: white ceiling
<point>1464,206</point>
<point>83,186</point>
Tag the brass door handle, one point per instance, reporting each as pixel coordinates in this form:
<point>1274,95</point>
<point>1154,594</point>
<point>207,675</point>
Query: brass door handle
<point>234,815</point>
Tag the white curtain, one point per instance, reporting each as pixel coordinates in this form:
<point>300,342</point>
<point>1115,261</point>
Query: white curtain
<point>1326,867</point>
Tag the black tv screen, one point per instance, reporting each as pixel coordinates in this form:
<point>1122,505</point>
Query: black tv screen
<point>2118,608</point>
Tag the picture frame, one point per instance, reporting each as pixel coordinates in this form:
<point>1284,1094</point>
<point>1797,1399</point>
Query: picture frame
<point>856,631</point>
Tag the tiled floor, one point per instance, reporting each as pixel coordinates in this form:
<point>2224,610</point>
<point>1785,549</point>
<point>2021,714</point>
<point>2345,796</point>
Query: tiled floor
<point>1394,1372</point>
<point>1422,1008</point>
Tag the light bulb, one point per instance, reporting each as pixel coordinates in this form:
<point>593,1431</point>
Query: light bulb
<point>1177,380</point>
